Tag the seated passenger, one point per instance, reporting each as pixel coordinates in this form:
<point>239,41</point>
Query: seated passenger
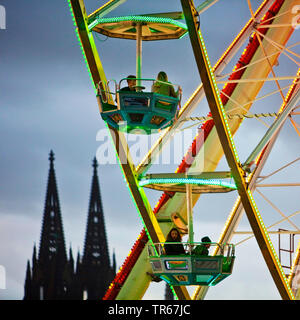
<point>131,83</point>
<point>176,248</point>
<point>202,249</point>
<point>164,87</point>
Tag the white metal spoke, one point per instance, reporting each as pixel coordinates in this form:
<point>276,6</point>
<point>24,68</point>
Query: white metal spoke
<point>265,54</point>
<point>206,5</point>
<point>242,107</point>
<point>259,80</point>
<point>271,174</point>
<point>266,185</point>
<point>278,46</point>
<point>277,209</point>
<point>295,126</point>
<point>279,51</point>
<point>267,95</point>
<point>272,18</point>
<point>269,227</point>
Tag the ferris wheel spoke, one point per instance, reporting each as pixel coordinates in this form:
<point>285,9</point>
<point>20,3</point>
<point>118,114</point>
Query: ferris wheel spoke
<point>265,54</point>
<point>277,209</point>
<point>278,51</point>
<point>276,16</point>
<point>245,109</point>
<point>269,227</point>
<point>278,170</point>
<point>280,47</point>
<point>295,126</point>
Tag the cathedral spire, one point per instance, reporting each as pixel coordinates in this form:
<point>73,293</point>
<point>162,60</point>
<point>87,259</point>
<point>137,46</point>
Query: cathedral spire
<point>95,247</point>
<point>34,259</point>
<point>51,158</point>
<point>95,258</point>
<point>52,257</point>
<point>52,242</point>
<point>71,259</point>
<point>95,165</point>
<point>27,285</point>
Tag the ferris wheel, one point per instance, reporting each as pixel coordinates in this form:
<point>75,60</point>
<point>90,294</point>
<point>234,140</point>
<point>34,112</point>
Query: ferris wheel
<point>147,106</point>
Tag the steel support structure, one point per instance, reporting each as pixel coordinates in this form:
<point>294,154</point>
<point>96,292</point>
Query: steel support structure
<point>272,130</point>
<point>237,210</point>
<point>218,114</point>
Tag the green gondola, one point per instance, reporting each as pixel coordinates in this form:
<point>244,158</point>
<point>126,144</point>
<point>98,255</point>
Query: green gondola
<point>137,112</point>
<point>189,269</point>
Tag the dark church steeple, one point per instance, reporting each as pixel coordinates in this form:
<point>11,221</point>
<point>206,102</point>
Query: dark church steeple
<point>28,286</point>
<point>50,270</point>
<point>96,271</point>
<point>95,246</point>
<point>52,244</point>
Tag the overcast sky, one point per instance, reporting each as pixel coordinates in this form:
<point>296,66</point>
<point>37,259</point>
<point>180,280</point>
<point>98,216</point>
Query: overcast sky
<point>47,102</point>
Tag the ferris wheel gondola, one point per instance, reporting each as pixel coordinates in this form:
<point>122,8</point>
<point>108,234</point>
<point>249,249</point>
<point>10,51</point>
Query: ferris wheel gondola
<point>191,269</point>
<point>192,266</point>
<point>137,111</point>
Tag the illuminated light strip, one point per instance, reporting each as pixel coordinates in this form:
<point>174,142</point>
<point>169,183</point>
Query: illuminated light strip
<point>108,6</point>
<point>130,192</point>
<point>295,263</point>
<point>231,215</point>
<point>83,53</point>
<point>134,18</point>
<point>241,32</point>
<point>123,274</point>
<point>80,44</point>
<point>120,276</point>
<point>217,95</point>
<point>231,150</point>
<point>181,167</point>
<point>193,181</point>
<point>288,96</point>
<point>229,219</point>
<point>244,55</point>
<point>291,90</point>
<point>190,150</point>
<point>266,234</point>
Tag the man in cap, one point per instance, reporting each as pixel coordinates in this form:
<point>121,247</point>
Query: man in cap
<point>202,249</point>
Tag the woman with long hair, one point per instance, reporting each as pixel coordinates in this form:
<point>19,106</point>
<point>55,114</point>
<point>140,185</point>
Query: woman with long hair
<point>176,248</point>
<point>163,86</point>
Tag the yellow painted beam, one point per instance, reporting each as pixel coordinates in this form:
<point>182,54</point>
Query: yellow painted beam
<point>226,140</point>
<point>97,72</point>
<point>87,41</point>
<point>106,8</point>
